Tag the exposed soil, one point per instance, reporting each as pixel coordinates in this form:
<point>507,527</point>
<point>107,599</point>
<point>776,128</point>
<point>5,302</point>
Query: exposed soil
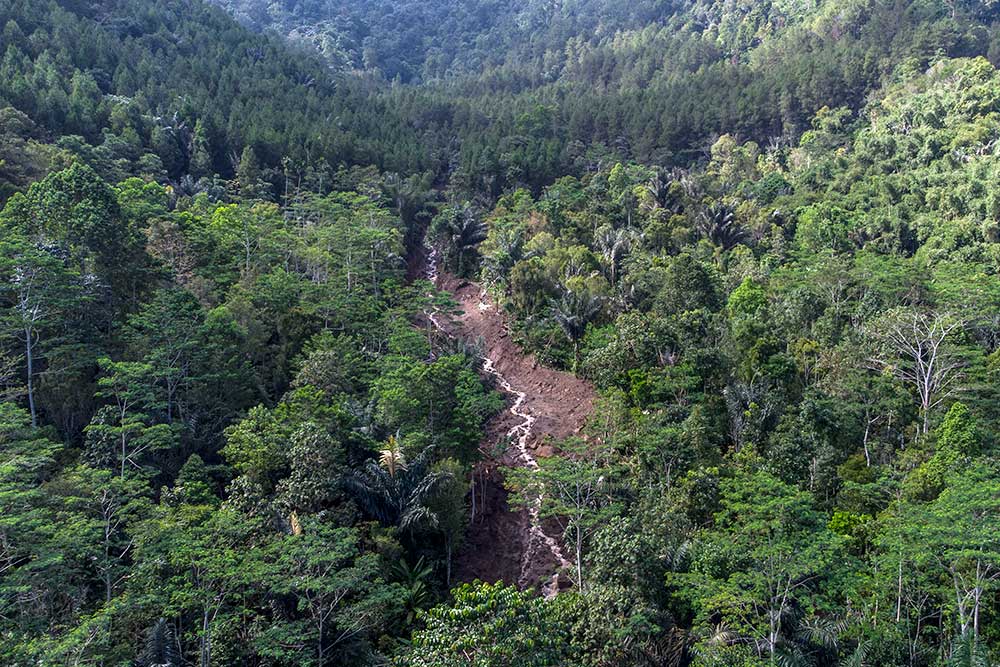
<point>502,544</point>
<point>560,402</point>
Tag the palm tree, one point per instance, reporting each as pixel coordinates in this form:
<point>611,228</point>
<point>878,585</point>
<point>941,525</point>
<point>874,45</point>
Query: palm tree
<point>614,244</point>
<point>717,223</point>
<point>658,189</point>
<point>507,250</point>
<point>969,651</point>
<point>418,594</point>
<point>809,641</point>
<point>396,491</point>
<point>805,642</point>
<point>859,656</point>
<point>391,458</point>
<point>413,200</point>
<point>410,197</point>
<point>160,647</point>
<point>460,230</point>
<point>573,312</point>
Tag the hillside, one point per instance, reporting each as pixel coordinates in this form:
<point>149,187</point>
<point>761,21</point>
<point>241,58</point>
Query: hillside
<point>677,322</point>
<point>522,93</point>
<point>178,89</point>
<point>422,40</point>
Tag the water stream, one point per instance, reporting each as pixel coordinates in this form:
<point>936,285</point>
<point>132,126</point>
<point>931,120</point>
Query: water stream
<point>537,539</point>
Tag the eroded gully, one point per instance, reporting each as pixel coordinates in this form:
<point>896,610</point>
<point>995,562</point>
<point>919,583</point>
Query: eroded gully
<point>538,543</point>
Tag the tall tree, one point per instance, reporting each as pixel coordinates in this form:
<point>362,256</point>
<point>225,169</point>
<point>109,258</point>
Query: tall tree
<point>768,554</point>
<point>40,292</point>
<point>336,586</point>
<point>919,348</point>
<point>397,491</point>
<point>126,430</point>
<point>576,489</point>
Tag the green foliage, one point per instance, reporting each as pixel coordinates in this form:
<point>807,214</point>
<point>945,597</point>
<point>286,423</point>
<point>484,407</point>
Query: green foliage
<point>336,587</point>
<point>442,401</point>
<point>237,357</point>
<point>769,552</point>
<point>127,430</point>
<point>774,252</point>
<point>577,490</point>
<point>487,624</point>
<point>459,231</point>
<point>398,491</point>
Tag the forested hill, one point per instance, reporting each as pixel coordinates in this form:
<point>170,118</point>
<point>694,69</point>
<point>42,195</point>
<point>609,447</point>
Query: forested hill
<point>174,89</point>
<point>522,93</point>
<point>178,89</point>
<point>426,39</point>
<point>736,269</point>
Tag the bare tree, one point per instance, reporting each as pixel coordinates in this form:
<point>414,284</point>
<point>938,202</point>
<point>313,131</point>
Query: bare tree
<point>28,315</point>
<point>916,347</point>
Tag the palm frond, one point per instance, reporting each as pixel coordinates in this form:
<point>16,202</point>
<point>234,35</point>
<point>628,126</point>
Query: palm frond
<point>819,631</point>
<point>391,458</point>
<point>718,224</point>
<point>858,657</point>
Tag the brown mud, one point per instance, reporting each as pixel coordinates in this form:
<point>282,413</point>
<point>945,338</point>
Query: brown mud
<point>545,406</point>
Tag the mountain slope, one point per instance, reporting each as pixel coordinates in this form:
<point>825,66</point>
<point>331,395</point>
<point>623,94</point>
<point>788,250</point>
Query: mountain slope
<point>427,39</point>
<point>510,94</point>
<point>182,84</point>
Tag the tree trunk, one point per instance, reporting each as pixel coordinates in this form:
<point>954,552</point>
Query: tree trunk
<point>975,612</point>
<point>29,352</point>
<point>206,642</point>
<point>124,452</point>
<point>472,519</point>
<point>171,390</point>
<point>579,558</point>
<point>868,456</point>
<point>899,591</point>
<point>963,613</point>
<point>321,649</point>
<point>448,549</point>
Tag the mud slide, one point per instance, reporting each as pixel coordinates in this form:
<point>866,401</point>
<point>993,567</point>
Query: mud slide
<point>543,405</point>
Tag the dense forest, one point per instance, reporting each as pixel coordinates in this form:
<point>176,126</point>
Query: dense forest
<point>245,418</point>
